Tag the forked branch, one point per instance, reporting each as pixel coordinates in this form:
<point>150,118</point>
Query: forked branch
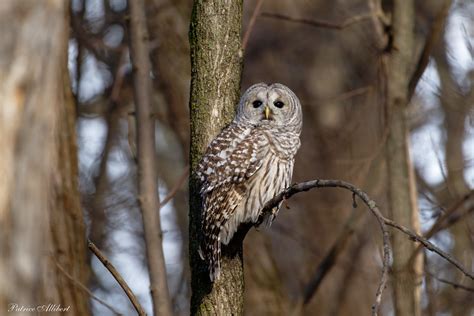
<point>383,223</point>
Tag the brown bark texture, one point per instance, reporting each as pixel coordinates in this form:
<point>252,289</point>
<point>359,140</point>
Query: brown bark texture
<point>216,61</point>
<point>41,223</point>
<point>147,175</point>
<point>402,202</point>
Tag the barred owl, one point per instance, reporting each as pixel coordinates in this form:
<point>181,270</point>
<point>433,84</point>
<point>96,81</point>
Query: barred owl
<point>247,164</point>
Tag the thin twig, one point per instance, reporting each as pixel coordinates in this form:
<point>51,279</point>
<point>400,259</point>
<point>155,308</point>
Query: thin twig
<point>119,75</point>
<point>343,96</point>
<point>383,223</point>
<point>453,284</point>
<point>454,218</point>
<point>85,289</point>
<point>449,218</point>
<point>133,299</point>
<point>255,13</point>
<point>379,23</point>
<point>430,246</point>
<point>352,93</point>
<point>176,188</point>
<point>320,23</point>
<point>434,36</point>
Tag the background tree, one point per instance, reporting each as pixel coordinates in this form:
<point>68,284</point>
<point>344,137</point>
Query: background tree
<point>41,225</point>
<point>407,272</point>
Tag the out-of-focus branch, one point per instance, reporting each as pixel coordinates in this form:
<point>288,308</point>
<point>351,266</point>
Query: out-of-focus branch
<point>133,299</point>
<point>379,23</point>
<point>91,42</point>
<point>101,181</point>
<point>176,188</point>
<point>320,23</point>
<point>382,220</point>
<point>432,38</point>
<point>449,217</point>
<point>147,175</point>
<point>453,284</point>
<point>85,289</point>
<point>329,260</point>
<point>255,13</point>
<point>342,96</point>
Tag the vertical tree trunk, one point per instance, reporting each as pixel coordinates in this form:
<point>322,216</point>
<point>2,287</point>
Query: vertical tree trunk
<point>456,107</point>
<point>147,175</point>
<point>41,223</point>
<point>216,62</point>
<point>402,186</point>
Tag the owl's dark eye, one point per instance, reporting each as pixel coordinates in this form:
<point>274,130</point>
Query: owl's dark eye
<point>278,104</point>
<point>257,103</point>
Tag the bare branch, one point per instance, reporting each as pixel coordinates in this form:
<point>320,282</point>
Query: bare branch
<point>133,299</point>
<point>453,284</point>
<point>176,188</point>
<point>450,217</point>
<point>85,289</point>
<point>379,21</point>
<point>255,13</point>
<point>430,246</point>
<point>383,223</point>
<point>432,39</point>
<point>320,23</point>
<point>119,76</point>
<point>342,96</point>
<point>329,260</point>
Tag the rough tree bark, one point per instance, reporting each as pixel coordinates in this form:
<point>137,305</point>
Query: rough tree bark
<point>216,63</point>
<point>41,223</point>
<point>147,175</point>
<point>401,182</point>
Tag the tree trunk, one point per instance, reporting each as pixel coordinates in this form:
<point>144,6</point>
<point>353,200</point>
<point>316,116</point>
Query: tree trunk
<point>41,224</point>
<point>401,182</point>
<point>456,108</point>
<point>216,63</point>
<point>147,176</point>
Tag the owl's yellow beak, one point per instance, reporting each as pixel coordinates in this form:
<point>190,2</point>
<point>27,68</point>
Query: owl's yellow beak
<point>267,112</point>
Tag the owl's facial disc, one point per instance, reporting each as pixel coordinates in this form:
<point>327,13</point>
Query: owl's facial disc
<point>273,105</point>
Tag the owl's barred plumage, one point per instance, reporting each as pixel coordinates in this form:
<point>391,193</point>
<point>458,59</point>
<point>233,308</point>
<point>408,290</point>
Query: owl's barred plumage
<point>247,164</point>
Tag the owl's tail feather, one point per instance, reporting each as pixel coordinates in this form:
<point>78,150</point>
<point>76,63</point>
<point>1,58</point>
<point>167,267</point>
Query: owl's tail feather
<point>211,253</point>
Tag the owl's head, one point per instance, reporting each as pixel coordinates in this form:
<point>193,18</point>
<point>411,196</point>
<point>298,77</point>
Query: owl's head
<point>273,105</point>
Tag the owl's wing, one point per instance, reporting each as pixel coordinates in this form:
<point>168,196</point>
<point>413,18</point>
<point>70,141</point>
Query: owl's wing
<point>230,160</point>
<point>232,157</point>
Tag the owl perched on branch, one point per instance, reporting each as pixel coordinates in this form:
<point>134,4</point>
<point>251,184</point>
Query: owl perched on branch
<point>247,164</point>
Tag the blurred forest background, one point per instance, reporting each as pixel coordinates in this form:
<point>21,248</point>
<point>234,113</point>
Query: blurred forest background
<point>336,73</point>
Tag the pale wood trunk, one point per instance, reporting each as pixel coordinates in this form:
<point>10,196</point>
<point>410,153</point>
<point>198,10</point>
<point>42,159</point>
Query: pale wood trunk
<point>401,182</point>
<point>41,223</point>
